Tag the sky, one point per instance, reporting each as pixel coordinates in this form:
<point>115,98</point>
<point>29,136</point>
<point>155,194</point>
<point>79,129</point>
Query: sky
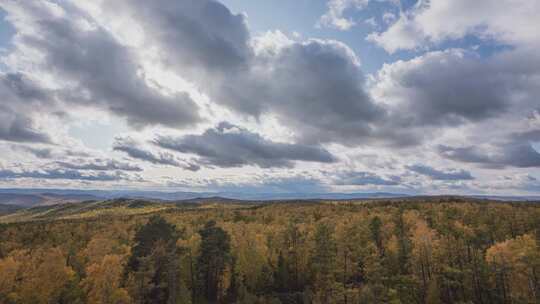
<point>307,96</point>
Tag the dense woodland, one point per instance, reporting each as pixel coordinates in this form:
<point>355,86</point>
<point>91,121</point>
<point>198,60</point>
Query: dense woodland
<point>436,251</point>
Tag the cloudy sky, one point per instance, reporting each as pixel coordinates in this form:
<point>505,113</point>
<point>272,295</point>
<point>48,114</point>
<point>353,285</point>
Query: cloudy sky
<point>404,96</point>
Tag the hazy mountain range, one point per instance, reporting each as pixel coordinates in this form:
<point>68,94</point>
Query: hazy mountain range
<point>27,198</point>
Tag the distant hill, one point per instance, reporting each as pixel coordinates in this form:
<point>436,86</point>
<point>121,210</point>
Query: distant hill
<point>42,199</point>
<point>113,207</point>
<point>28,198</point>
<point>22,200</point>
<point>37,197</point>
<point>5,209</point>
<point>508,198</point>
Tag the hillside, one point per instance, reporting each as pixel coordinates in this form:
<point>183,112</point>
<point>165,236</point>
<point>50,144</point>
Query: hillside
<point>28,200</point>
<point>110,208</point>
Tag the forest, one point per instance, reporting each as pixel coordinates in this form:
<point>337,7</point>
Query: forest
<point>396,251</point>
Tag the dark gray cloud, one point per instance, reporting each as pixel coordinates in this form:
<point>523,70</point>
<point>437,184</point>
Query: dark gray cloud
<point>514,154</point>
<point>512,150</point>
<point>17,127</point>
<point>49,152</point>
<point>44,153</point>
<point>99,165</point>
<point>435,174</point>
<point>453,87</point>
<point>19,99</point>
<point>131,148</point>
<point>201,37</point>
<point>62,174</point>
<point>316,88</point>
<point>98,69</point>
<point>366,179</point>
<point>23,90</point>
<point>228,145</point>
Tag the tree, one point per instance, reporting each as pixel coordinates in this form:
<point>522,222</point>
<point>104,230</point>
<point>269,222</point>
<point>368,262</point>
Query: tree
<point>9,268</point>
<point>294,242</point>
<point>44,276</point>
<point>376,234</point>
<point>323,262</point>
<point>404,243</point>
<point>152,264</point>
<point>102,283</point>
<point>515,263</point>
<point>281,275</point>
<point>213,259</point>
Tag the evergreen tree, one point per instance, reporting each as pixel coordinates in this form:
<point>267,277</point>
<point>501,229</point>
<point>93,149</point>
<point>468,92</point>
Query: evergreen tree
<point>281,275</point>
<point>213,260</point>
<point>153,262</point>
<point>376,234</point>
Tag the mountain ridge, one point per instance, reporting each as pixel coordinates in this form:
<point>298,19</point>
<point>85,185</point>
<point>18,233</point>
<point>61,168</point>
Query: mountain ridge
<point>27,198</point>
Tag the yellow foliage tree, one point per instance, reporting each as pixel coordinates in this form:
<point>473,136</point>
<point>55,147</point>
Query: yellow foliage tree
<point>43,275</point>
<point>9,269</point>
<point>516,262</point>
<point>102,282</point>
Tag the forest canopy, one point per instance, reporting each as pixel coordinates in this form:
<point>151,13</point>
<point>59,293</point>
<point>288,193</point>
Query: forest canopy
<point>432,251</point>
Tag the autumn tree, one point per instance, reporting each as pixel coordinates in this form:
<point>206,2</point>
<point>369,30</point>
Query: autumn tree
<point>102,283</point>
<point>515,265</point>
<point>42,276</point>
<point>323,262</point>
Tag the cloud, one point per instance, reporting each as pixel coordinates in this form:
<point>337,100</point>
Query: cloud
<point>511,149</point>
<point>441,90</point>
<point>73,56</point>
<point>334,18</point>
<point>371,22</point>
<point>99,165</point>
<point>388,17</point>
<point>315,87</point>
<point>445,87</point>
<point>202,37</point>
<point>21,97</point>
<point>433,22</point>
<point>228,145</point>
<point>61,174</point>
<point>259,184</point>
<point>45,153</point>
<point>92,67</point>
<point>510,154</point>
<point>131,148</point>
<point>435,174</point>
<point>49,152</point>
<point>366,179</point>
<point>16,127</point>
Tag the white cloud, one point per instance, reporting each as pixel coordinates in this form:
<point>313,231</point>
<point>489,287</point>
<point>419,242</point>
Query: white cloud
<point>388,17</point>
<point>334,17</point>
<point>512,22</point>
<point>371,22</point>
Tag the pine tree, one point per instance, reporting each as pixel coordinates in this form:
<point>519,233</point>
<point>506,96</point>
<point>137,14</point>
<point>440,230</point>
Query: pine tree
<point>213,259</point>
<point>153,262</point>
